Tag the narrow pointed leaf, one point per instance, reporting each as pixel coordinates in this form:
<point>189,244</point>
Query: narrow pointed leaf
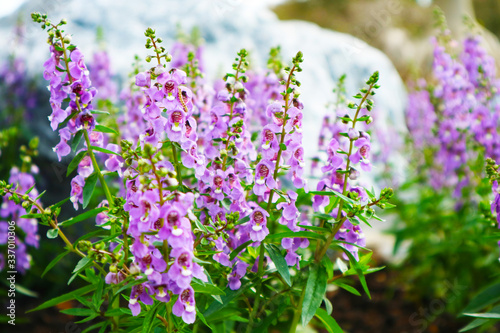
<point>315,291</point>
<point>279,261</point>
<point>88,189</point>
<point>105,129</point>
<point>330,323</point>
<point>54,262</point>
<point>64,298</point>
<point>83,217</point>
<point>104,150</point>
<point>76,160</point>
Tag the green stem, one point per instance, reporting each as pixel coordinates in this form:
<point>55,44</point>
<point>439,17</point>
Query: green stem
<point>298,312</point>
<point>320,254</point>
<point>224,161</point>
<point>87,140</point>
<point>98,170</point>
<point>259,290</point>
<point>269,203</point>
<point>176,162</point>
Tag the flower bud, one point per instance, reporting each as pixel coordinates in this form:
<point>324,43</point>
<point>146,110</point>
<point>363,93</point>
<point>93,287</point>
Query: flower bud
<point>159,70</point>
<point>353,174</point>
<point>67,39</point>
<point>238,86</point>
<point>353,134</point>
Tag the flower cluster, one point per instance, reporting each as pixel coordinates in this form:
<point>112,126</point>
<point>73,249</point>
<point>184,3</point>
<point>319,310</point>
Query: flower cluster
<point>348,150</point>
<point>15,228</point>
<point>456,114</point>
<point>202,172</point>
<point>12,211</point>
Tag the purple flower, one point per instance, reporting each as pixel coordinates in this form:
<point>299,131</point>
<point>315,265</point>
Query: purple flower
<point>185,306</point>
<point>362,154</point>
<point>176,124</point>
<point>334,159</point>
<point>143,79</point>
<point>269,143</point>
<point>264,177</point>
<point>85,167</point>
<point>140,292</point>
<point>76,67</point>
<point>258,224</point>
<point>239,271</point>
<point>76,195</point>
<point>85,120</point>
<point>62,148</point>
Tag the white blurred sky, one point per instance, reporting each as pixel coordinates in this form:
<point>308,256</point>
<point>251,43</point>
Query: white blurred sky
<point>7,7</point>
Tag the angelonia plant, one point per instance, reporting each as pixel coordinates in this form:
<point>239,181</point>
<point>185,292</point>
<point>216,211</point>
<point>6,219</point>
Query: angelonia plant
<point>205,220</point>
<point>453,121</point>
<point>484,307</point>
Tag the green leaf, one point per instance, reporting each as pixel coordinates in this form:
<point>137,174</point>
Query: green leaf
<point>200,226</point>
<point>473,324</point>
<point>237,250</point>
<point>54,262</point>
<point>68,118</point>
<point>347,287</point>
<point>93,327</point>
<point>78,312</point>
<point>99,112</point>
<point>313,228</point>
<point>282,146</point>
<point>291,234</point>
<point>279,261</point>
<point>341,265</point>
<point>88,189</point>
<point>333,193</point>
<point>388,205</point>
<point>268,320</point>
<point>330,323</point>
<point>83,216</point>
<point>74,163</point>
<point>105,129</point>
<point>480,321</point>
<point>206,288</point>
<point>226,299</point>
<point>328,305</point>
<point>52,233</point>
<point>314,292</point>
<point>202,318</point>
<point>150,318</point>
<point>322,216</point>
<point>31,216</point>
<point>25,291</point>
<point>485,315</point>
<point>76,140</point>
<point>103,150</point>
<point>357,268</point>
<point>228,314</point>
<point>486,297</point>
<point>64,298</point>
<point>243,220</point>
<point>80,266</point>
<point>59,204</point>
<point>40,195</point>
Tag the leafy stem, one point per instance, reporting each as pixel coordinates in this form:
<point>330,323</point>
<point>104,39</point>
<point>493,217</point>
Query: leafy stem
<point>322,251</point>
